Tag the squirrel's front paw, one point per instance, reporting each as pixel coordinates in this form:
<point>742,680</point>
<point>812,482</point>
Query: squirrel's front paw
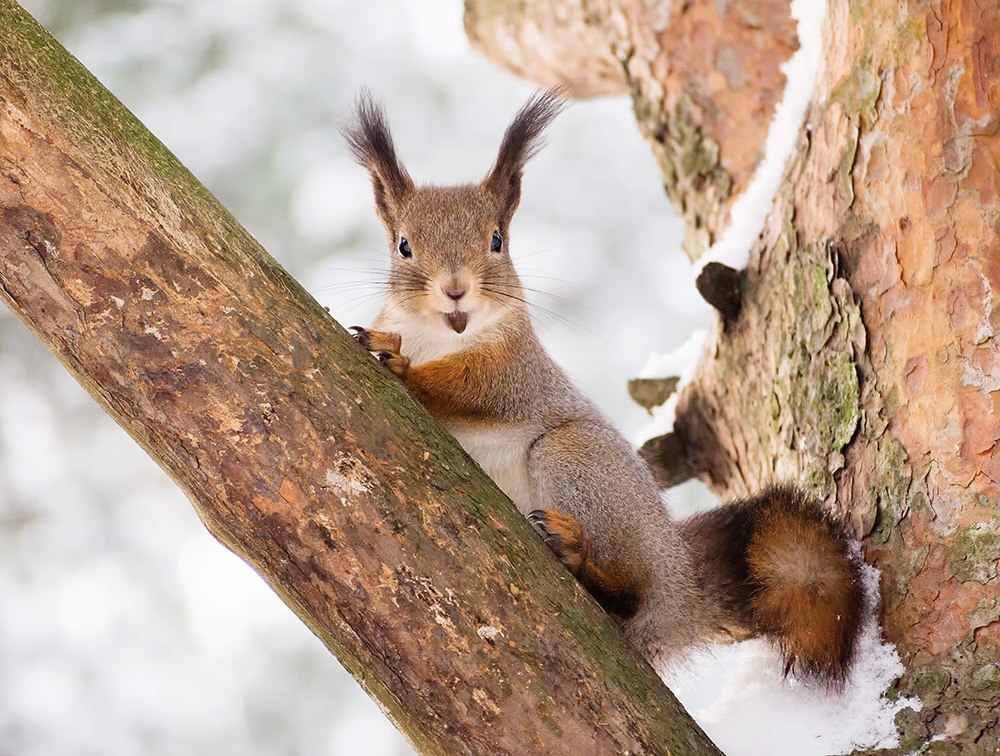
<point>377,341</point>
<point>384,347</point>
<point>397,363</point>
<point>563,534</point>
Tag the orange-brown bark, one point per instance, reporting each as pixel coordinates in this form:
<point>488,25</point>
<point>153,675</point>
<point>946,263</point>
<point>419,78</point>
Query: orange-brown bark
<point>864,360</point>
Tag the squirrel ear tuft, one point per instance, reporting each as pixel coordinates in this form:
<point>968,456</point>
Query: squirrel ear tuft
<point>521,141</point>
<point>369,139</point>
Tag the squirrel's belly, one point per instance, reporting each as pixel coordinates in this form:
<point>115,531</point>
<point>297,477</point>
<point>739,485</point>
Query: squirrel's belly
<point>503,455</point>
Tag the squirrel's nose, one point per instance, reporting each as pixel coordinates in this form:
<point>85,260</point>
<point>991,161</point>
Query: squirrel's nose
<point>455,291</point>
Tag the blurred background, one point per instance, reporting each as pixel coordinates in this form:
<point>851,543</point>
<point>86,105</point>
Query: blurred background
<point>124,627</point>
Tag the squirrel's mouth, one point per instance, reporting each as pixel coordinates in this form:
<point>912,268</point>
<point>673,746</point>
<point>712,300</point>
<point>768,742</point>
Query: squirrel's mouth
<point>457,320</point>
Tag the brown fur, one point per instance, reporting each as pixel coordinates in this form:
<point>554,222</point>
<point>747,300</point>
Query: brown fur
<point>370,141</point>
<point>451,387</point>
<point>377,341</point>
<point>615,590</point>
<point>782,568</point>
<point>455,329</point>
<point>809,592</point>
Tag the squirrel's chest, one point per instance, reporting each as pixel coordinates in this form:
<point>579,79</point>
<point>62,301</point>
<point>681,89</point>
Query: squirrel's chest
<point>503,454</point>
<point>423,341</point>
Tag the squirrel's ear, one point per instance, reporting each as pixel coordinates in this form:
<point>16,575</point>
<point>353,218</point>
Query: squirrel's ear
<point>521,141</point>
<point>369,139</point>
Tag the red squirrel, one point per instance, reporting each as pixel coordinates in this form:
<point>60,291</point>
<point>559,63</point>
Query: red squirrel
<point>455,329</point>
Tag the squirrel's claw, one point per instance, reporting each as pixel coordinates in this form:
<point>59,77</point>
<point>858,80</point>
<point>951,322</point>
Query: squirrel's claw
<point>377,341</point>
<point>397,363</point>
<point>360,335</point>
<point>384,347</point>
<point>614,590</point>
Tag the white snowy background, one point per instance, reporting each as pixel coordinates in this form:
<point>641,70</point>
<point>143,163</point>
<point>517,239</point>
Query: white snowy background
<point>124,627</point>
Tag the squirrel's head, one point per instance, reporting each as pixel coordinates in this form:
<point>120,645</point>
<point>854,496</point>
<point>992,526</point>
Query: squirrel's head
<point>450,260</point>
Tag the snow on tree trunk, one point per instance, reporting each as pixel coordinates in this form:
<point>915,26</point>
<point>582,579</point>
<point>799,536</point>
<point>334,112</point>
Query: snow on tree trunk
<point>297,450</point>
<point>864,362</point>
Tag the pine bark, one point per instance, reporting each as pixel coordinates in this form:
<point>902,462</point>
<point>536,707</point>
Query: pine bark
<point>297,450</point>
<point>864,362</point>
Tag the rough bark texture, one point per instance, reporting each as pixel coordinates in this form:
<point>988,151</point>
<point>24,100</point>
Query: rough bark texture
<point>298,452</point>
<point>865,359</point>
<point>704,74</point>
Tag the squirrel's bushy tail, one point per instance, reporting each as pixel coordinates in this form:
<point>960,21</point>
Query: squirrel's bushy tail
<point>778,565</point>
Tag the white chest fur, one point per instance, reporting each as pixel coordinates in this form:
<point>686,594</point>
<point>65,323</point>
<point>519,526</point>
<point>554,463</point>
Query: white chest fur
<point>423,342</point>
<point>426,337</point>
<point>503,454</point>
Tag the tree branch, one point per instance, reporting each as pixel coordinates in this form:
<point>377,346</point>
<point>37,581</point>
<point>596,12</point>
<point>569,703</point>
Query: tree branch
<point>297,451</point>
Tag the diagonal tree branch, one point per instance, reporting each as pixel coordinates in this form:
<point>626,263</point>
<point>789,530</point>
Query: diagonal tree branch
<point>298,453</point>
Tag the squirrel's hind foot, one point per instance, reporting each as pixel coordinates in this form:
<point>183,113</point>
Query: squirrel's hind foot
<point>617,593</point>
<point>564,535</point>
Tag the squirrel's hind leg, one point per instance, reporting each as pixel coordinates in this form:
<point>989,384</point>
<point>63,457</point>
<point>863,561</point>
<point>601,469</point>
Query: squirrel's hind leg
<point>616,594</point>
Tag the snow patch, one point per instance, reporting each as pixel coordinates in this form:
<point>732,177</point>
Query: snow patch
<point>681,363</point>
<point>739,697</point>
<point>749,212</point>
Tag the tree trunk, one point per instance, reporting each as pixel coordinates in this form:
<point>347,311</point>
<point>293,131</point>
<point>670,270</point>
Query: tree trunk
<point>298,452</point>
<point>864,361</point>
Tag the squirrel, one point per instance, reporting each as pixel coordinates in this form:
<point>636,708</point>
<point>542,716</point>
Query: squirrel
<point>456,330</point>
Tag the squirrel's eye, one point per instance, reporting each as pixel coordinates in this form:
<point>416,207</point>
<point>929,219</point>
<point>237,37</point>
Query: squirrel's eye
<point>496,243</point>
<point>404,247</point>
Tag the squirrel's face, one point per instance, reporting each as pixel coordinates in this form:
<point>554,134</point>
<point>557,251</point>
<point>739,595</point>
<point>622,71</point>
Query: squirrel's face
<point>450,264</point>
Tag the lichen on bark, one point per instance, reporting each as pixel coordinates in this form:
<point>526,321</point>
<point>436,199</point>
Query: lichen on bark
<point>797,404</point>
<point>693,175</point>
